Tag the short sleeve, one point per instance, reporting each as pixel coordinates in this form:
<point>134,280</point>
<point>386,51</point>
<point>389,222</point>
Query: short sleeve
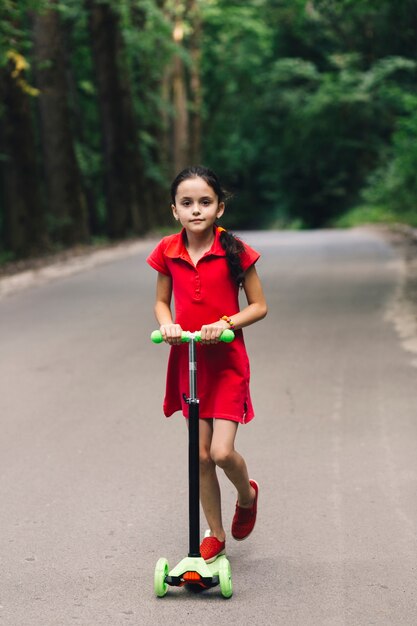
<point>248,257</point>
<point>157,260</point>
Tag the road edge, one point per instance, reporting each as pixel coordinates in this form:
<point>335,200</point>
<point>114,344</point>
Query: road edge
<point>40,271</point>
<point>402,312</point>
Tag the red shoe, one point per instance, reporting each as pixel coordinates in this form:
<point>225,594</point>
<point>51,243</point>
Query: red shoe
<point>211,548</point>
<point>244,519</point>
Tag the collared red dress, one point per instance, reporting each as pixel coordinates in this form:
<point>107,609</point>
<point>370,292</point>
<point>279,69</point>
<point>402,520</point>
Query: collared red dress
<point>203,293</point>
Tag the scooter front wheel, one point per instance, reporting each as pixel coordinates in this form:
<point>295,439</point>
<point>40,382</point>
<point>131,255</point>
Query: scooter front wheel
<point>225,578</point>
<point>161,571</point>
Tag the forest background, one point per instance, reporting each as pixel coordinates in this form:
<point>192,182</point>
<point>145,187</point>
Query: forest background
<point>306,108</point>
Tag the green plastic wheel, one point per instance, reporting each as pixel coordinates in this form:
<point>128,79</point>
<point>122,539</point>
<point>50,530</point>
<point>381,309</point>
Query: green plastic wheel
<point>225,578</point>
<point>161,570</point>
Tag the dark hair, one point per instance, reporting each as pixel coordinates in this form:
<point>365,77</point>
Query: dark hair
<point>198,171</point>
<point>232,246</point>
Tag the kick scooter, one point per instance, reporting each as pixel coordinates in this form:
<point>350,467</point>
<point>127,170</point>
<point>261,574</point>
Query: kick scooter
<point>193,570</point>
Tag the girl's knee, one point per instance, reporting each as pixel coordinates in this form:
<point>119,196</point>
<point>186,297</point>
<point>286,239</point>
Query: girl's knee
<point>222,456</point>
<point>206,462</point>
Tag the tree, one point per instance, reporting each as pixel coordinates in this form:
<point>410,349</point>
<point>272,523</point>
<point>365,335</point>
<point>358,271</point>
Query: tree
<point>24,231</point>
<point>66,200</point>
<point>148,35</point>
<point>306,108</point>
<point>22,216</point>
<point>175,91</point>
<point>301,99</point>
<point>196,87</point>
<point>124,182</point>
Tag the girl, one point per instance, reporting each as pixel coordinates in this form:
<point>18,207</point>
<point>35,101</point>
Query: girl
<point>204,266</point>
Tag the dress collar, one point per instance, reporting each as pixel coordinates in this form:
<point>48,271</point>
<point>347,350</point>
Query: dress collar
<point>177,248</point>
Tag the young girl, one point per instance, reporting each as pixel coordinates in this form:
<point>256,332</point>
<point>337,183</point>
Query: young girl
<point>203,266</point>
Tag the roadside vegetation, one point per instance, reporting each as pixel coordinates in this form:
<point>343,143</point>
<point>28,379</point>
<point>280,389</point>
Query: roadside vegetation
<point>306,108</point>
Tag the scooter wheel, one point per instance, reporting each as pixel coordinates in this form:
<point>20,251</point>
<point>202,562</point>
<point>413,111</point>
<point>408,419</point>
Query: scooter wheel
<point>225,578</point>
<point>161,570</point>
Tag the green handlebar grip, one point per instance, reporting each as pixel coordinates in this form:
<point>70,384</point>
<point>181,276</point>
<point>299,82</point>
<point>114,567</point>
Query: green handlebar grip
<point>227,336</point>
<point>156,336</point>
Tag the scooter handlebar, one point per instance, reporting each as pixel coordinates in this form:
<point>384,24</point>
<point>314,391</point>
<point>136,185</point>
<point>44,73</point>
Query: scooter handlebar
<point>227,336</point>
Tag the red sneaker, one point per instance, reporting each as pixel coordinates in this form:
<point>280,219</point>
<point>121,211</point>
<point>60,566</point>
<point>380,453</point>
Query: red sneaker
<point>244,519</point>
<point>211,548</point>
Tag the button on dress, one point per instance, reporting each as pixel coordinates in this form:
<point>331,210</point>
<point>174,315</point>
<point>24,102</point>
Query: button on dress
<point>203,293</point>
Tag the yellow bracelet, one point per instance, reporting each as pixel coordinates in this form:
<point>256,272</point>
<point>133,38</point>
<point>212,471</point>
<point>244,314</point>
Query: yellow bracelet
<point>227,319</point>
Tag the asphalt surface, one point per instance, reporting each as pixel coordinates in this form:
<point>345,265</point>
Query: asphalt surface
<point>93,483</point>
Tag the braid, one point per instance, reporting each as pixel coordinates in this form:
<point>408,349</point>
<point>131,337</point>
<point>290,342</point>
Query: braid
<point>233,248</point>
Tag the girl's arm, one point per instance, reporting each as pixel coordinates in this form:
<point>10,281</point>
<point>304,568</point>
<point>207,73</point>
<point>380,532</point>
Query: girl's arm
<point>253,312</point>
<point>170,332</point>
<point>257,307</point>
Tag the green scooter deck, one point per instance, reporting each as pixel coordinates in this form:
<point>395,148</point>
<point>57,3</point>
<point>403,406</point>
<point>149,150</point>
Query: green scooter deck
<point>194,571</point>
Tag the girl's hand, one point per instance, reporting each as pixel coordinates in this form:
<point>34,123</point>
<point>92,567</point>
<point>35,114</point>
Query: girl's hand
<point>171,333</point>
<point>210,333</point>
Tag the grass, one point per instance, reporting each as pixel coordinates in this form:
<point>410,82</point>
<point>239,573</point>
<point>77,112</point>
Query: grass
<point>368,214</point>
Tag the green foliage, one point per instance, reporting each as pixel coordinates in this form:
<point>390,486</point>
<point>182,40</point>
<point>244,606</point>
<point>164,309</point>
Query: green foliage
<point>236,46</point>
<point>147,32</point>
<point>308,108</point>
<point>84,109</point>
<point>365,214</point>
<point>6,256</point>
<point>14,32</point>
<point>331,129</point>
<point>394,184</point>
<point>298,136</point>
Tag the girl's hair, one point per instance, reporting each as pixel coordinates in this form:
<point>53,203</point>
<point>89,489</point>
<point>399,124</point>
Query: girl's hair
<point>232,246</point>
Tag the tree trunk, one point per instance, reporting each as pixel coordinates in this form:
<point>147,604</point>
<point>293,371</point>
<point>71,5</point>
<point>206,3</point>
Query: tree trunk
<point>165,141</point>
<point>174,92</point>
<point>24,224</point>
<point>95,226</point>
<point>181,140</point>
<point>154,123</point>
<point>195,81</point>
<point>140,202</point>
<point>67,204</point>
<point>124,182</point>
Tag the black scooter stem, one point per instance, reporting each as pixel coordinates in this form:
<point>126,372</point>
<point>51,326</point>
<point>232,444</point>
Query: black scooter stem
<point>193,479</point>
<point>193,434</point>
<point>193,455</point>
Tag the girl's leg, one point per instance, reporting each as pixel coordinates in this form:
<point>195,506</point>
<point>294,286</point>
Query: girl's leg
<point>223,453</point>
<point>209,484</point>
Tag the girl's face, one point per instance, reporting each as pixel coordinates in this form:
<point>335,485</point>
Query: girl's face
<point>196,205</point>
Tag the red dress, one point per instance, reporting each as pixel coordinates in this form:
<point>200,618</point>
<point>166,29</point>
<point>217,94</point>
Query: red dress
<point>202,294</point>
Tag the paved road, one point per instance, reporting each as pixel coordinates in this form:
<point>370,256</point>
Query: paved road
<point>93,479</point>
